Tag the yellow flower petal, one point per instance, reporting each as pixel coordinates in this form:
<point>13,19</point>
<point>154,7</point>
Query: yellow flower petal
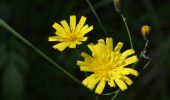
<point>84,28</point>
<point>65,25</point>
<point>130,60</point>
<point>92,49</point>
<point>92,83</point>
<point>87,80</point>
<point>127,53</point>
<point>109,44</point>
<point>82,31</point>
<point>101,41</point>
<point>59,28</point>
<point>87,69</point>
<point>100,87</point>
<point>127,80</point>
<point>100,49</point>
<point>121,84</point>
<point>85,66</point>
<point>111,83</point>
<point>55,38</point>
<point>72,22</point>
<point>84,38</point>
<point>80,24</point>
<point>86,56</point>
<point>118,47</point>
<point>81,63</point>
<point>72,45</point>
<point>88,30</point>
<point>61,46</point>
<point>62,35</point>
<point>78,42</point>
<point>127,71</point>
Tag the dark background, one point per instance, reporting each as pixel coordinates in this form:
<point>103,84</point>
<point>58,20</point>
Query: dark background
<point>25,75</point>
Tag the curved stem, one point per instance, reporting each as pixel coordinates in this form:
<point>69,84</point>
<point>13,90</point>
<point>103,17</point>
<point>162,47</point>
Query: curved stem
<point>116,94</point>
<point>16,34</point>
<point>141,55</point>
<point>94,12</point>
<point>128,31</point>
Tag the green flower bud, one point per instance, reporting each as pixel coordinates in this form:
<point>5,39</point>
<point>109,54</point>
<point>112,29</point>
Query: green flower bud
<point>117,5</point>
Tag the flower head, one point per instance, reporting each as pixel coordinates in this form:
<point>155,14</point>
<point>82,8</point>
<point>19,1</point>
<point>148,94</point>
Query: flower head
<point>107,65</point>
<point>70,35</point>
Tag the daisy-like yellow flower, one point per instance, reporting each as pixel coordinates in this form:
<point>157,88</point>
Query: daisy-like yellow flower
<point>107,65</point>
<point>70,35</point>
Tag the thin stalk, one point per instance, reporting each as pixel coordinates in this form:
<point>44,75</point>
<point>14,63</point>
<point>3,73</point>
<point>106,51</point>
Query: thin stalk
<point>97,5</point>
<point>128,31</point>
<point>144,51</point>
<point>109,93</point>
<point>116,94</point>
<point>146,45</point>
<point>94,12</point>
<point>141,55</point>
<point>17,35</point>
<point>97,97</point>
<point>145,66</point>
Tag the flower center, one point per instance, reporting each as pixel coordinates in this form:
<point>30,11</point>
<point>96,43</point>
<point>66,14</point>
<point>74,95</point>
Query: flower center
<point>109,70</point>
<point>73,37</point>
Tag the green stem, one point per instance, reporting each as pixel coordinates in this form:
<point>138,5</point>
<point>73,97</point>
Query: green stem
<point>97,97</point>
<point>94,12</point>
<point>128,31</point>
<point>116,94</point>
<point>146,45</point>
<point>16,34</point>
<point>141,55</point>
<point>109,93</point>
<point>146,65</point>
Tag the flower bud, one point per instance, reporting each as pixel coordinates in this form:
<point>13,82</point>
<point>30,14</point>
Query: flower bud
<point>145,30</point>
<point>117,5</point>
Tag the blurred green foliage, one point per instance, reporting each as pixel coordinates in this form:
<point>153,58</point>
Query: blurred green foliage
<point>24,75</point>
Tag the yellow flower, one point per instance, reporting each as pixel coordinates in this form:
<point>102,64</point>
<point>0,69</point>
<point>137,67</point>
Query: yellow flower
<point>107,65</point>
<point>70,35</point>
